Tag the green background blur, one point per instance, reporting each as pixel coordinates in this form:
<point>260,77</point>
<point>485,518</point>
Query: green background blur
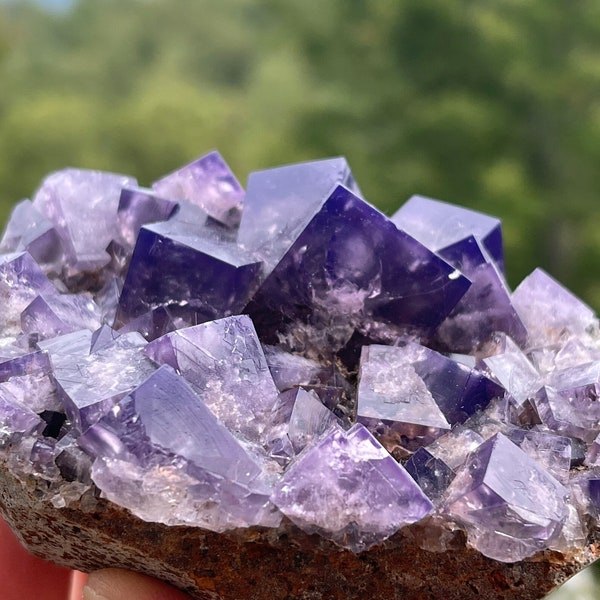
<point>492,104</point>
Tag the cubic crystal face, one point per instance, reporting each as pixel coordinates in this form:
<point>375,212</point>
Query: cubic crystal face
<point>352,269</point>
<point>161,446</point>
<point>209,184</point>
<point>281,202</point>
<point>441,226</point>
<point>319,362</point>
<point>179,268</point>
<point>225,364</point>
<point>81,205</point>
<point>349,489</point>
<point>509,504</point>
<point>391,395</point>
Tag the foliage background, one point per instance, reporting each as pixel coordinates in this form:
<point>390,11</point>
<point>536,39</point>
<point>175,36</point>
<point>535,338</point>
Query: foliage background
<point>492,104</point>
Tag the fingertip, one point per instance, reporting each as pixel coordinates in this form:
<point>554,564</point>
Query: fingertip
<point>119,584</point>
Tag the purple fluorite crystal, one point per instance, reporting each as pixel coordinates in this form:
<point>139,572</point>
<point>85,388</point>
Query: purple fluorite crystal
<point>225,364</point>
<point>394,401</point>
<point>29,230</point>
<point>207,183</point>
<point>137,207</point>
<point>432,474</point>
<point>472,243</point>
<point>441,226</point>
<point>352,269</point>
<point>281,202</point>
<point>200,374</point>
<point>82,205</point>
<point>91,383</point>
<point>510,506</point>
<point>187,269</point>
<point>161,453</point>
<point>349,489</point>
<point>549,311</point>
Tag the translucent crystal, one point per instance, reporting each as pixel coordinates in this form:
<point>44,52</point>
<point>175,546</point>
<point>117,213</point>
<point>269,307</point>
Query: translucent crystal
<point>225,364</point>
<point>209,184</point>
<point>510,506</point>
<point>82,207</point>
<point>350,490</point>
<point>161,453</point>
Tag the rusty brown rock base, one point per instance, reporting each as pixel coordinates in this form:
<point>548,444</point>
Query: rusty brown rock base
<point>271,565</point>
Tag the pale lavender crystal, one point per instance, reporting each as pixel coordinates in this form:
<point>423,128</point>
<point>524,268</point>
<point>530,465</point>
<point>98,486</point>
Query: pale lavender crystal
<point>394,401</point>
<point>568,403</point>
<point>225,364</point>
<point>82,206</point>
<point>29,230</point>
<point>21,280</point>
<point>16,360</point>
<point>278,444</point>
<point>61,347</point>
<point>91,384</point>
<point>281,202</point>
<point>454,447</point>
<point>156,323</point>
<point>35,391</point>
<point>510,506</point>
<point>592,458</point>
<point>550,312</point>
<point>309,419</point>
<point>439,226</point>
<point>552,452</point>
<point>139,206</point>
<point>107,298</point>
<point>189,269</point>
<point>457,390</point>
<point>52,315</point>
<point>290,370</point>
<point>161,453</point>
<point>208,183</point>
<point>15,418</point>
<point>350,490</point>
<point>515,372</point>
<point>103,337</point>
<point>352,269</point>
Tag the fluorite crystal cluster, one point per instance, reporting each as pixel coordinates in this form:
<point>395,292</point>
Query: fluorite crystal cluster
<point>210,357</point>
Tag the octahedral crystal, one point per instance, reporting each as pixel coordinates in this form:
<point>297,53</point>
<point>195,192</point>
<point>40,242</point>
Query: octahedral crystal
<point>508,503</point>
<point>199,373</point>
<point>225,364</point>
<point>349,489</point>
<point>352,269</point>
<point>209,184</point>
<point>161,453</point>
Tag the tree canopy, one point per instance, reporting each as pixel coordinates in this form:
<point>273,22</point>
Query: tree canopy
<point>491,105</point>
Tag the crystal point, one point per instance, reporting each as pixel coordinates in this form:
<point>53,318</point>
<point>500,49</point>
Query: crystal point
<point>350,490</point>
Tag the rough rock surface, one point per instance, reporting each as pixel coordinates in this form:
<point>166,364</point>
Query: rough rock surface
<point>283,564</point>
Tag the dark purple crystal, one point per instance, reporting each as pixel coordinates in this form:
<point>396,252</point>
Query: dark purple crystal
<point>351,268</point>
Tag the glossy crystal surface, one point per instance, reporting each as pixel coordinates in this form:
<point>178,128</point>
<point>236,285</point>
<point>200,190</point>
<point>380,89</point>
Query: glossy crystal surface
<point>209,357</point>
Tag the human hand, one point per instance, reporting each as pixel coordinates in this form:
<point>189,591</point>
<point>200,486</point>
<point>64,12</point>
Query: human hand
<point>24,577</point>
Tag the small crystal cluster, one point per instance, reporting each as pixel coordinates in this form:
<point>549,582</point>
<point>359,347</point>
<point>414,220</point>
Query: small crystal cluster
<point>208,356</point>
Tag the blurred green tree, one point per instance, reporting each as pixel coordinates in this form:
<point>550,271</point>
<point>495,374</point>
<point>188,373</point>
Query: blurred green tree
<point>493,105</point>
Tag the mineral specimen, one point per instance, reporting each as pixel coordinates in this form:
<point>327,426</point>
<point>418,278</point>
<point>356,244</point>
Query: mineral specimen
<point>288,372</point>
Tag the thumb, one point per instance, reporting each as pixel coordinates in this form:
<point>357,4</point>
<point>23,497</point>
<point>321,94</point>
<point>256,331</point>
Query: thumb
<point>118,584</point>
